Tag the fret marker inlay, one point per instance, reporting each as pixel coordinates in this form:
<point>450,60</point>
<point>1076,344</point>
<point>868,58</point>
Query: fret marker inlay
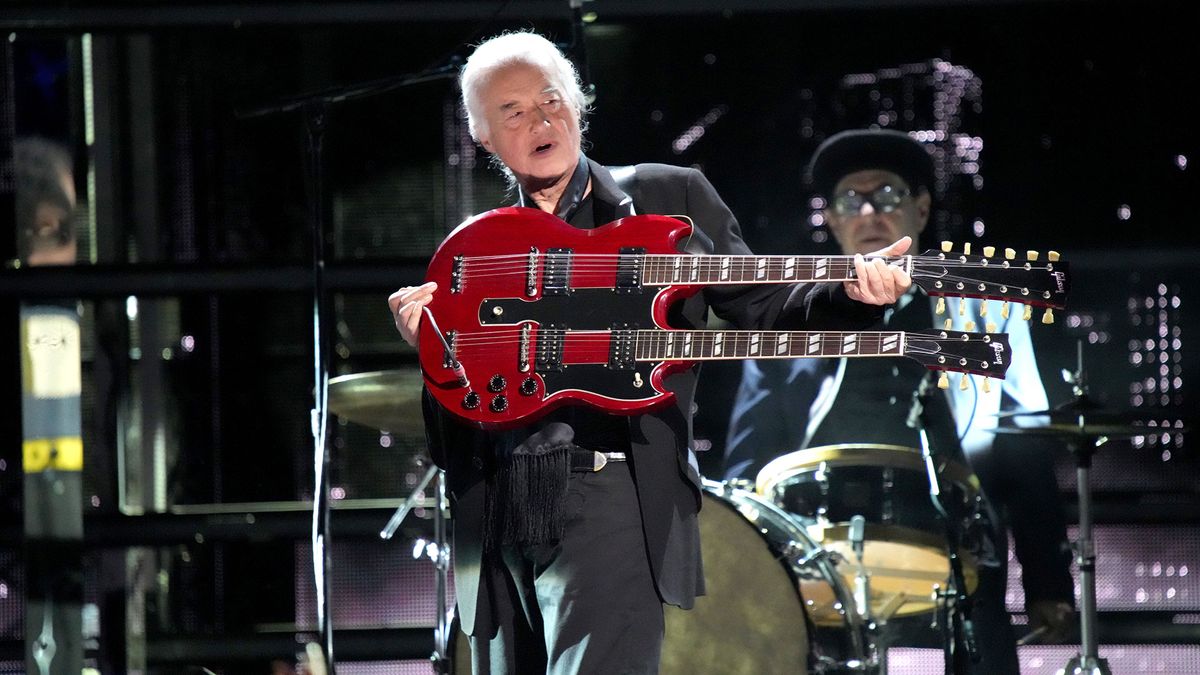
<point>814,343</point>
<point>849,343</point>
<point>890,343</point>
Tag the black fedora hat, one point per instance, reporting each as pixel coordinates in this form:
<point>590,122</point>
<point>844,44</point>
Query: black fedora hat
<point>863,149</point>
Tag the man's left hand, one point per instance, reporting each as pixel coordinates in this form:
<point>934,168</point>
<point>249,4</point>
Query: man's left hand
<point>879,283</point>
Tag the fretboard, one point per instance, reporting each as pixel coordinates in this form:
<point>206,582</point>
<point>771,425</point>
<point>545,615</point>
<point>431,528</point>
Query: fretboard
<point>699,345</point>
<point>744,269</point>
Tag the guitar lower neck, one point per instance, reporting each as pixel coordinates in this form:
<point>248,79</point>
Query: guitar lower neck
<point>701,345</point>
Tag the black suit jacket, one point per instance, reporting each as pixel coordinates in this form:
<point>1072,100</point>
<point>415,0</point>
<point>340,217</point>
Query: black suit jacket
<point>668,487</point>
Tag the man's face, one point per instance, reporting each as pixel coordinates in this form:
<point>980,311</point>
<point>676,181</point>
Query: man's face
<point>54,242</point>
<point>530,126</point>
<point>869,228</point>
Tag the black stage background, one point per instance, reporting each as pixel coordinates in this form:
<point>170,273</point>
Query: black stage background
<point>1065,126</point>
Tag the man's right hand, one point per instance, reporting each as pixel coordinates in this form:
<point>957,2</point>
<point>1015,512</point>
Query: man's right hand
<point>406,305</point>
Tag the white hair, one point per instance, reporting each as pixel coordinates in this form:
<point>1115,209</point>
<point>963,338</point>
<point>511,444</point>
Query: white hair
<point>517,48</point>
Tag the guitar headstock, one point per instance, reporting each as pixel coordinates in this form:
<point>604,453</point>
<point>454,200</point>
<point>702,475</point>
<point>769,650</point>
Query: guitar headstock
<point>1031,281</point>
<point>984,354</point>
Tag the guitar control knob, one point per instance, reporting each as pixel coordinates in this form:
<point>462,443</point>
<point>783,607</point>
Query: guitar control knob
<point>529,387</point>
<point>471,401</point>
<point>499,403</point>
<point>497,383</point>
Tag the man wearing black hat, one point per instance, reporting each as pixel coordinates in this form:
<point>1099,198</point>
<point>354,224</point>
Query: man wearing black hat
<point>877,186</point>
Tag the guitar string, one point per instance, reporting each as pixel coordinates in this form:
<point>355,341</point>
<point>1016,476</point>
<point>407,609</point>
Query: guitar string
<point>666,262</point>
<point>673,274</point>
<point>831,344</point>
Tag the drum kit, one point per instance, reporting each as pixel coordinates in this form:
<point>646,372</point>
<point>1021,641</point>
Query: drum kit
<point>806,563</point>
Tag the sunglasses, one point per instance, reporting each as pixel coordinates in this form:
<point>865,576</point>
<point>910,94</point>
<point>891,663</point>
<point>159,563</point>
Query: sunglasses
<point>884,199</point>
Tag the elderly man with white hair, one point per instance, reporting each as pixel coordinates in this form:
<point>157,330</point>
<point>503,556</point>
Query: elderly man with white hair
<point>574,581</point>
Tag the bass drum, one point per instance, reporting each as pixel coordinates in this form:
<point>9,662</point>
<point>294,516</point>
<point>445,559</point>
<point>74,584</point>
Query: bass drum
<point>752,619</point>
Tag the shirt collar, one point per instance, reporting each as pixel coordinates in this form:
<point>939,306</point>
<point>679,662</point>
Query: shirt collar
<point>574,193</point>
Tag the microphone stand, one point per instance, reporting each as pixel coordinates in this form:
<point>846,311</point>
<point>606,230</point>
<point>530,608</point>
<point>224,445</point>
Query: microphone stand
<point>954,610</point>
<point>314,107</point>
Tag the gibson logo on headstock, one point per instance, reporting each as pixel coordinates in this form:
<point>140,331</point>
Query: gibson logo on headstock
<point>1059,280</point>
<point>998,350</point>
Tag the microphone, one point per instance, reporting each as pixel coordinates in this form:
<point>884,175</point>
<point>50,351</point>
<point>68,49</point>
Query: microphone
<point>857,525</point>
<point>577,51</point>
<point>862,579</point>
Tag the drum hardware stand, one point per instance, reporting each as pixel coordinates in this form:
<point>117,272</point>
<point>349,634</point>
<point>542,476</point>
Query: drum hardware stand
<point>438,551</point>
<point>862,578</point>
<point>954,606</point>
<point>1082,447</point>
<point>315,108</point>
<point>856,609</point>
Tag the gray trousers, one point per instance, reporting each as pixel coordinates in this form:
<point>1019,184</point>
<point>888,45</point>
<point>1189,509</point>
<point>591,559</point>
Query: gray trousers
<point>586,605</point>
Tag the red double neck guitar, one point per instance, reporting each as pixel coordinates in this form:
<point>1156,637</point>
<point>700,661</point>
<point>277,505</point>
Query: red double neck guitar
<point>537,313</point>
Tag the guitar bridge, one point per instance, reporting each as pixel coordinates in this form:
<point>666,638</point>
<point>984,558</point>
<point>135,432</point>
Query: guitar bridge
<point>523,348</point>
<point>452,342</point>
<point>456,274</point>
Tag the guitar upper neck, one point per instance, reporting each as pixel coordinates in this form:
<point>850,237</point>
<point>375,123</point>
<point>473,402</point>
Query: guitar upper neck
<point>746,269</point>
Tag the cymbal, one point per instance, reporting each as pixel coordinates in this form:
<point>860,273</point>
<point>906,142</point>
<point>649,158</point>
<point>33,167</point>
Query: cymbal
<point>1072,410</point>
<point>389,400</point>
<point>1067,430</point>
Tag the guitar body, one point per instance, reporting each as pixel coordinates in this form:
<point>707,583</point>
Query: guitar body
<point>512,282</point>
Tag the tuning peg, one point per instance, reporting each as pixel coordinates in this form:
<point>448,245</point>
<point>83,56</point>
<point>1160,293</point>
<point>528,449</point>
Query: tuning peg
<point>989,251</point>
<point>987,385</point>
<point>941,306</point>
<point>1031,256</point>
<point>970,326</point>
<point>1052,256</point>
<point>966,248</point>
<point>963,382</point>
<point>943,381</point>
<point>949,323</point>
<point>990,327</point>
<point>1004,310</point>
<point>983,307</point>
<point>1010,253</point>
<point>1028,313</point>
<point>1048,317</point>
<point>947,246</point>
